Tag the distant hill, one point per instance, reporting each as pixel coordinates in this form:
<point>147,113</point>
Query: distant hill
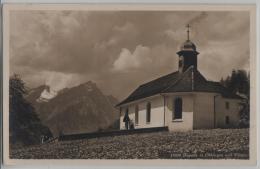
<point>79,109</point>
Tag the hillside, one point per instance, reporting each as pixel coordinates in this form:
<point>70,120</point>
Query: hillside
<point>83,108</point>
<point>207,144</point>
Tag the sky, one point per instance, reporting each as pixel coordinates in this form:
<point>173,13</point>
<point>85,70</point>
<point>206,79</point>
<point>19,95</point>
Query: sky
<point>120,50</point>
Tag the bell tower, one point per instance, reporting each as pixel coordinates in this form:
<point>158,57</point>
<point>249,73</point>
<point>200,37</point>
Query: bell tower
<point>187,54</point>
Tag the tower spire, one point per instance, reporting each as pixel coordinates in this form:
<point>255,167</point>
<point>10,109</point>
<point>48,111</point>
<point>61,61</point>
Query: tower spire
<point>188,32</point>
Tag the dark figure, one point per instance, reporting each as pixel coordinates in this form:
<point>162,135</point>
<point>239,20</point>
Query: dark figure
<point>126,120</point>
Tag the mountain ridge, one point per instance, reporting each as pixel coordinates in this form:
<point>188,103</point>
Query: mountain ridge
<point>82,108</point>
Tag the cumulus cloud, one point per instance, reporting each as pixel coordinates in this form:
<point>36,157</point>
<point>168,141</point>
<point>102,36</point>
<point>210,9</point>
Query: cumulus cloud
<point>58,80</point>
<point>127,60</point>
<point>55,80</point>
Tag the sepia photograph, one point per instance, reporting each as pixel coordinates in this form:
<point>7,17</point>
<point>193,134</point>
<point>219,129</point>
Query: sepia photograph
<point>120,83</point>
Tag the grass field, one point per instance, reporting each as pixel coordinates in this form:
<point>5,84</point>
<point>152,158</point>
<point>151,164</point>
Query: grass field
<point>205,144</point>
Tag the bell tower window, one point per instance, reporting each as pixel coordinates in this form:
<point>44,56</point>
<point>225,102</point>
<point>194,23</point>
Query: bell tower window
<point>181,63</point>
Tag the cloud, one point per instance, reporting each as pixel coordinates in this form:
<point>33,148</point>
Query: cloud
<point>126,28</point>
<point>58,80</point>
<point>128,61</point>
<point>197,19</point>
<point>104,46</point>
<point>223,61</point>
<point>176,35</point>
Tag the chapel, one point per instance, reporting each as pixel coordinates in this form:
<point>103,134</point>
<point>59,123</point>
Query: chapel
<point>182,100</point>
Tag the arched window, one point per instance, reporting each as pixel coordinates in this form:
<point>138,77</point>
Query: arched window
<point>177,109</point>
<point>136,114</point>
<point>148,112</point>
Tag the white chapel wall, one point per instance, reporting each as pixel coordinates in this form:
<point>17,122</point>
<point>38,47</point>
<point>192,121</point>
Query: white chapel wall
<point>186,123</point>
<point>232,111</point>
<point>203,110</point>
<point>198,112</point>
<point>157,112</point>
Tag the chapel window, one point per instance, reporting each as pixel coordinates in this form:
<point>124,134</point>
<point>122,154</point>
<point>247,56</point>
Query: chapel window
<point>177,109</point>
<point>227,105</point>
<point>148,112</point>
<point>136,114</point>
<point>227,119</point>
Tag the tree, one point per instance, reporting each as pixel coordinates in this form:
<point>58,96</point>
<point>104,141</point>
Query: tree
<point>244,114</point>
<point>25,127</point>
<point>239,83</point>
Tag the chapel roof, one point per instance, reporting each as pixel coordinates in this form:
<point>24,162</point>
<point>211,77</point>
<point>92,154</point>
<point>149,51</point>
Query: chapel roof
<point>189,81</point>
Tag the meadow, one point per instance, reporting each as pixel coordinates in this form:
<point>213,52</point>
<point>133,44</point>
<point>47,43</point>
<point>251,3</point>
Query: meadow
<point>196,144</point>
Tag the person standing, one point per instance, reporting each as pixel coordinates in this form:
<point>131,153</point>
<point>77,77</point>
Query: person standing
<point>126,120</point>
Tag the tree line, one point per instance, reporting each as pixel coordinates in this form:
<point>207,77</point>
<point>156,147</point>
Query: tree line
<point>239,83</point>
<point>25,127</point>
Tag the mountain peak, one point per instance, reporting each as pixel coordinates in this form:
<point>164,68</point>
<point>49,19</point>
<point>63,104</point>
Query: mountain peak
<point>35,93</point>
<point>47,94</point>
<point>89,85</point>
<point>82,108</point>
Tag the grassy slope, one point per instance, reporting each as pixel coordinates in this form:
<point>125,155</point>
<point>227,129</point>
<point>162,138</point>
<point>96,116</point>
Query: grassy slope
<point>232,143</point>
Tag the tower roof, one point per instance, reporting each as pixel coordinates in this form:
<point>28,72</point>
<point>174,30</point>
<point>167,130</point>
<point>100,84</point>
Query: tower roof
<point>188,46</point>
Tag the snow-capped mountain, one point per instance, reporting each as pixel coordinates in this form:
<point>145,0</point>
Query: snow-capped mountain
<point>83,108</point>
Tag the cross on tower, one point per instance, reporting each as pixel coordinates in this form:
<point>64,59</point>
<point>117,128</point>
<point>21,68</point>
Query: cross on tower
<point>188,31</point>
